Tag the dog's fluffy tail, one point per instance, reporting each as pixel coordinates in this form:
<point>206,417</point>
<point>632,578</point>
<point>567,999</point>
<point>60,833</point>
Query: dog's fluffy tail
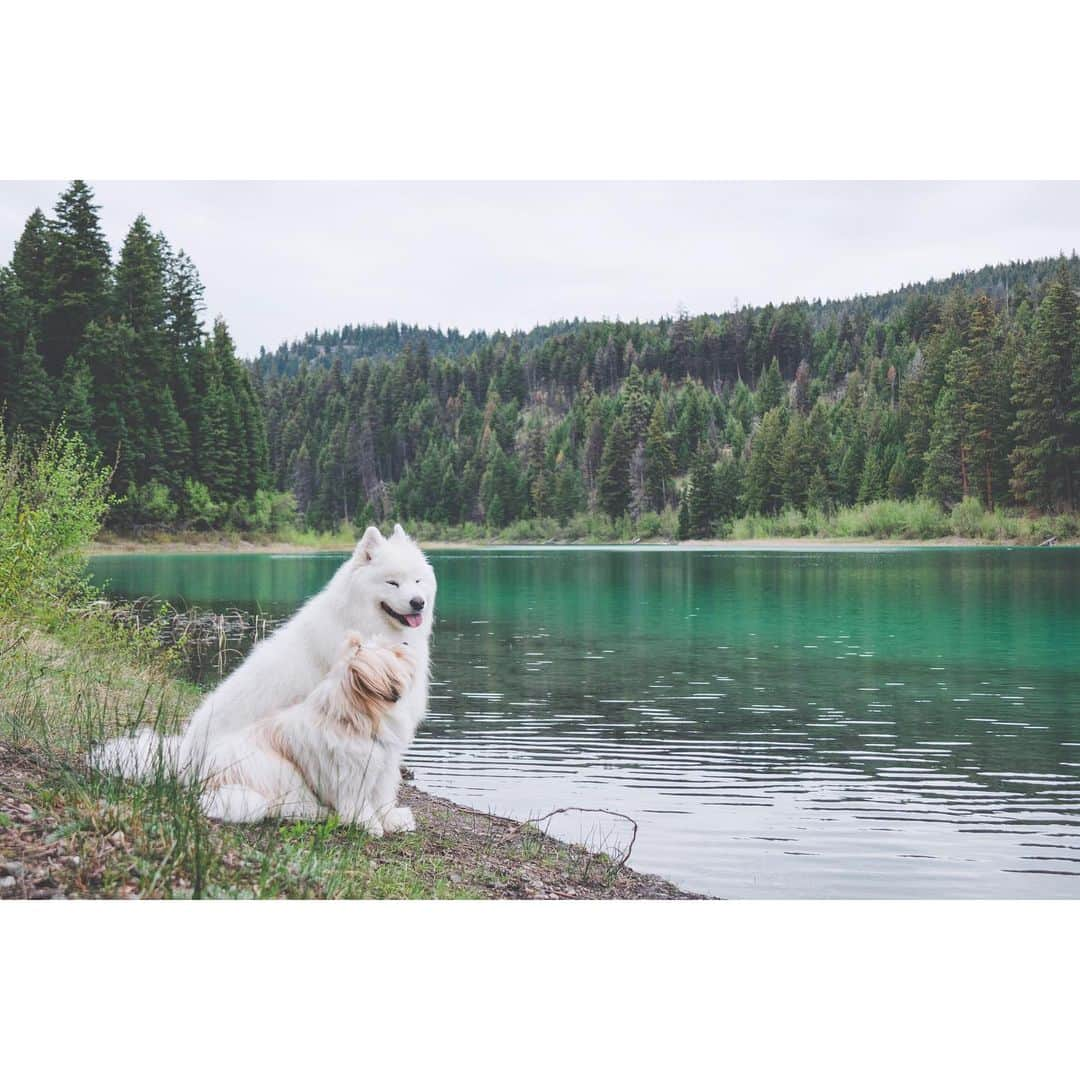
<point>137,757</point>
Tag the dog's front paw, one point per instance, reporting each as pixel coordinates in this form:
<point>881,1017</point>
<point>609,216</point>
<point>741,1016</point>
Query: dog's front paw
<point>365,819</point>
<point>372,826</point>
<point>399,819</point>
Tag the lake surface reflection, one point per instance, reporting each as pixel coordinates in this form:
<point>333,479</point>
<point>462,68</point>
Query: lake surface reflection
<point>879,723</point>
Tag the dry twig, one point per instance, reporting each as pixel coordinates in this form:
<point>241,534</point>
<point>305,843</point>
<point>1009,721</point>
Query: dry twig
<point>585,810</point>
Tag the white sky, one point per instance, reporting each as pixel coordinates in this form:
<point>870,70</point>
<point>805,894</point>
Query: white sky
<point>281,258</point>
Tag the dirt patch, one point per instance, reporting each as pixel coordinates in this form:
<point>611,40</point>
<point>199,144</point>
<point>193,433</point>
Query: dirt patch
<point>35,864</point>
<point>509,859</point>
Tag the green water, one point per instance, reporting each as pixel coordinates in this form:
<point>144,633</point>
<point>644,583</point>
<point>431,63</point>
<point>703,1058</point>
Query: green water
<point>819,724</point>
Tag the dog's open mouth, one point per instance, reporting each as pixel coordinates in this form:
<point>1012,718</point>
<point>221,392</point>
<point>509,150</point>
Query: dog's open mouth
<point>413,619</point>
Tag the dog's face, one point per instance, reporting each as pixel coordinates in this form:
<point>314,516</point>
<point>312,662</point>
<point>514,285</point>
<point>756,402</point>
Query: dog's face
<point>371,679</point>
<point>393,576</point>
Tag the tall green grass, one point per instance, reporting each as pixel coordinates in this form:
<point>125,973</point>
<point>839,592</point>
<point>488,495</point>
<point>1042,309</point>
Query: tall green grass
<point>916,519</point>
<point>65,691</point>
<point>581,528</point>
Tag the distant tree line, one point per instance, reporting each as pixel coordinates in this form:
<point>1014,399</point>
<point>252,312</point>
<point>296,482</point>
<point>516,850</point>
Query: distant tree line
<point>966,392</point>
<point>968,387</point>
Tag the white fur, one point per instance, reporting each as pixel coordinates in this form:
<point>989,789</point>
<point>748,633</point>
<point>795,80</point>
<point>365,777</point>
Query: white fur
<point>284,669</point>
<point>327,752</point>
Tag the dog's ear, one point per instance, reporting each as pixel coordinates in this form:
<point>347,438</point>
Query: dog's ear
<point>369,544</point>
<point>399,532</point>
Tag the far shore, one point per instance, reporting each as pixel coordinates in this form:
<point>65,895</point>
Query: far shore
<point>223,545</point>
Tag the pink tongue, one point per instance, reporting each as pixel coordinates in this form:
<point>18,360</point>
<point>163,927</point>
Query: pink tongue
<point>414,620</point>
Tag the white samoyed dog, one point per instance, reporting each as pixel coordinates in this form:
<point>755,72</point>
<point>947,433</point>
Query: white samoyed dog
<point>385,592</point>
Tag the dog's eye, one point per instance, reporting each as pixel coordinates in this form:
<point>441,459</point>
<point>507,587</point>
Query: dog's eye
<point>394,583</point>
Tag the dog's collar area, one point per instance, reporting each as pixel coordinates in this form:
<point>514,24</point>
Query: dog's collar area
<point>412,620</point>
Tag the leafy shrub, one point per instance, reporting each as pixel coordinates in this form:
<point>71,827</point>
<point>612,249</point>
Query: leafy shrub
<point>968,518</point>
<point>926,520</point>
<point>650,524</point>
<point>52,503</point>
<point>202,511</point>
<point>150,504</point>
<point>888,519</point>
<point>792,523</point>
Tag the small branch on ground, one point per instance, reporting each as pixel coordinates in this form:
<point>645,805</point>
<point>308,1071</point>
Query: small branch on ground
<point>585,810</point>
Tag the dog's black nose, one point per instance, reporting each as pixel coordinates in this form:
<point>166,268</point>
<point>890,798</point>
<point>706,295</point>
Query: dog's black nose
<point>416,604</point>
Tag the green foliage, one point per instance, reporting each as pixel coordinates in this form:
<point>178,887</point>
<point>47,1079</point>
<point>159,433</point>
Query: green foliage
<point>199,506</point>
<point>683,531</point>
<point>614,476</point>
<point>770,391</point>
<point>659,460</point>
<point>152,503</point>
<point>53,498</point>
<point>890,398</point>
<point>1046,459</point>
<point>921,519</point>
<point>764,493</point>
<point>120,353</point>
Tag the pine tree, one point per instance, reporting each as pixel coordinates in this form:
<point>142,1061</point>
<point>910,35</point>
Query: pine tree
<point>594,444</point>
<point>817,492</point>
<point>500,488</point>
<point>161,442</point>
<point>16,326</point>
<point>635,404</point>
<point>898,483</point>
<point>256,459</point>
<point>851,454</point>
<point>108,353</point>
<point>183,329</point>
<point>727,489</point>
<point>941,479</point>
<point>303,479</point>
<point>214,463</point>
<point>764,475</point>
<point>770,391</point>
<point>78,275</point>
<point>979,378</point>
<point>800,388</point>
<point>684,516</point>
<point>1047,431</point>
<point>918,398</point>
<point>874,476</point>
<point>33,402</point>
<point>796,463</point>
<point>701,498</point>
<point>693,415</point>
<point>569,496</point>
<point>659,460</point>
<point>30,262</point>
<point>76,396</point>
<point>639,502</point>
<point>613,481</point>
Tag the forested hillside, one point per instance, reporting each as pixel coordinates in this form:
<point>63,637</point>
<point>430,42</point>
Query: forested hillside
<point>120,353</point>
<point>967,387</point>
<point>348,344</point>
<point>964,388</point>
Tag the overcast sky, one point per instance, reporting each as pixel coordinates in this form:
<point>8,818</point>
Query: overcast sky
<point>279,259</point>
